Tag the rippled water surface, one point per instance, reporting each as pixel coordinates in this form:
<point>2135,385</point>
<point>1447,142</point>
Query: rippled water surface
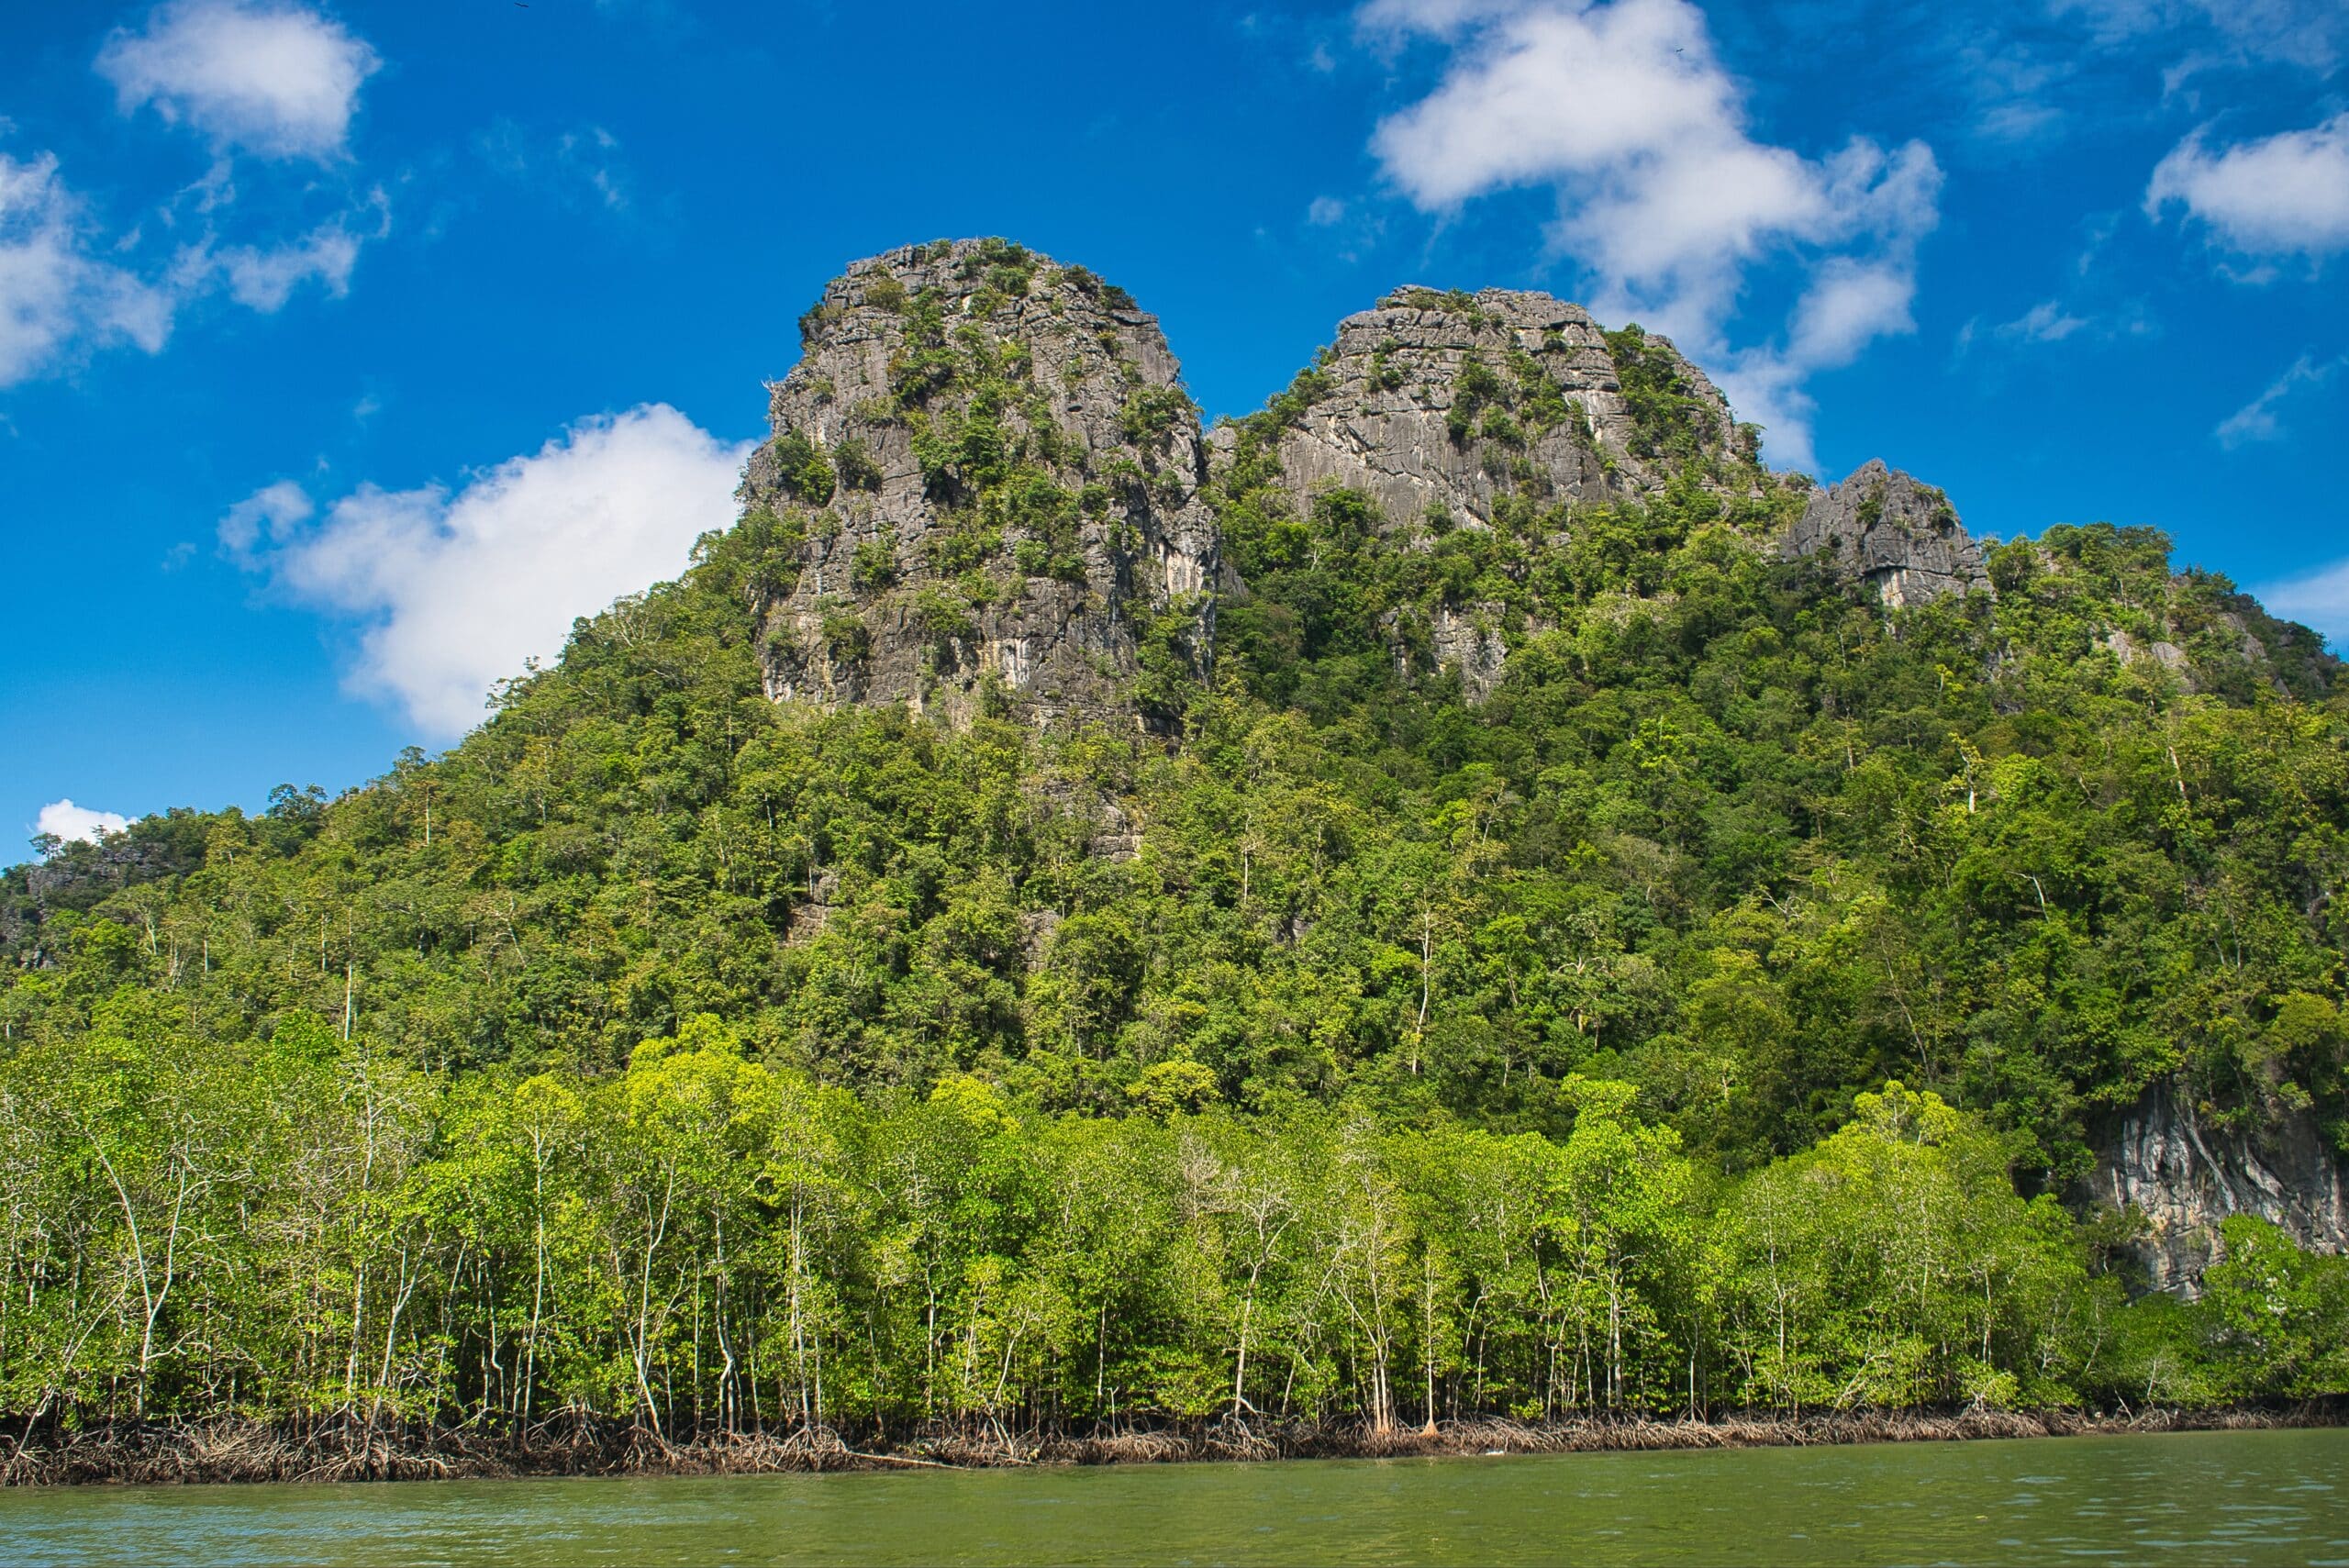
<point>2187,1498</point>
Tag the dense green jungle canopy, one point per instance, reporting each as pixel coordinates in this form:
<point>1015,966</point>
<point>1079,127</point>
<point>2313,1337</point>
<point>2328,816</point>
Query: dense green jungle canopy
<point>1351,1050</point>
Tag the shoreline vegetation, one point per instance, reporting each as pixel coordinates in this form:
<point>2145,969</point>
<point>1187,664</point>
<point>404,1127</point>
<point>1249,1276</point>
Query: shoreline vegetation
<point>236,1450</point>
<point>389,1278</point>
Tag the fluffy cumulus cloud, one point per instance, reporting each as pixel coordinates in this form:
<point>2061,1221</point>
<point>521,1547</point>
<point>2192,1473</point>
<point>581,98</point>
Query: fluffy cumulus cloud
<point>2261,420</point>
<point>456,590</point>
<point>64,819</point>
<point>1663,193</point>
<point>2277,195</point>
<point>57,298</point>
<point>276,80</point>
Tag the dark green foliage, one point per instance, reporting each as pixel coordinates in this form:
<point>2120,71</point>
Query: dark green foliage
<point>1575,1009</point>
<point>1153,415</point>
<point>857,467</point>
<point>1451,301</point>
<point>804,468</point>
<point>847,640</point>
<point>1110,295</point>
<point>1669,420</point>
<point>937,616</point>
<point>873,567</point>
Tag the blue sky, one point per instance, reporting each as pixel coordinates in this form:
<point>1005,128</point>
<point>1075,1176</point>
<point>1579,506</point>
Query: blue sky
<point>346,352</point>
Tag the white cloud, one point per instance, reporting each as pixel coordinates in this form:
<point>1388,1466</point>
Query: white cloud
<point>271,514</point>
<point>1848,307</point>
<point>263,277</point>
<point>275,79</point>
<point>458,590</point>
<point>60,297</point>
<point>56,296</point>
<point>2257,420</point>
<point>2296,32</point>
<point>575,163</point>
<point>64,819</point>
<point>2046,322</point>
<point>2282,195</point>
<point>2319,599</point>
<point>592,152</point>
<point>1662,194</point>
<point>1325,211</point>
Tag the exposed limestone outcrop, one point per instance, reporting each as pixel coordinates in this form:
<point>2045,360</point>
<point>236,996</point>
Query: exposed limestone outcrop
<point>1438,404</point>
<point>1887,529</point>
<point>996,474</point>
<point>1901,537</point>
<point>2185,1178</point>
<point>993,482</point>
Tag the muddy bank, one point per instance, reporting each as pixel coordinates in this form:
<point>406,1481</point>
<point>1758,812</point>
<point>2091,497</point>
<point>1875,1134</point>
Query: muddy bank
<point>238,1451</point>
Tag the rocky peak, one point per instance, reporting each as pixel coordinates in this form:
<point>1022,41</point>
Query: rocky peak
<point>992,490</point>
<point>1439,405</point>
<point>992,474</point>
<point>1883,528</point>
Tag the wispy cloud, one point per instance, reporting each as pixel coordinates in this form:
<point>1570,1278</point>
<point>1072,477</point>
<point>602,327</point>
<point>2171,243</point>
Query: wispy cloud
<point>2319,599</point>
<point>58,299</point>
<point>265,277</point>
<point>2307,33</point>
<point>269,515</point>
<point>2258,420</point>
<point>2046,322</point>
<point>578,165</point>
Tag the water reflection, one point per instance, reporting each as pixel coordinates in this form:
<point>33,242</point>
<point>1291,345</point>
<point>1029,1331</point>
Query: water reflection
<point>2248,1497</point>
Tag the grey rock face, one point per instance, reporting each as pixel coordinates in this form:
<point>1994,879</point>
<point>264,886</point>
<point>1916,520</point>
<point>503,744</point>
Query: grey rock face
<point>1465,637</point>
<point>995,482</point>
<point>998,478</point>
<point>1402,421</point>
<point>1444,408</point>
<point>1885,529</point>
<point>2185,1178</point>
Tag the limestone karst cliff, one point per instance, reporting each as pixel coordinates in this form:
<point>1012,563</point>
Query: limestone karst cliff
<point>2159,1162</point>
<point>1440,406</point>
<point>999,475</point>
<point>1003,494</point>
<point>1887,529</point>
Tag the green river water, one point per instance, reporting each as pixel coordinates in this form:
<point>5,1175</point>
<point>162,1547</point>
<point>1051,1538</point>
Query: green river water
<point>2186,1498</point>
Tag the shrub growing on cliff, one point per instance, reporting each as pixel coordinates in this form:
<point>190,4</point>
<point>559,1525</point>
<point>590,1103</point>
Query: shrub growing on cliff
<point>858,469</point>
<point>873,566</point>
<point>803,468</point>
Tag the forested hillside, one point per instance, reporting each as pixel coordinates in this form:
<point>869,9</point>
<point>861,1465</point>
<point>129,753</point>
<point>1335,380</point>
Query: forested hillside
<point>1713,988</point>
